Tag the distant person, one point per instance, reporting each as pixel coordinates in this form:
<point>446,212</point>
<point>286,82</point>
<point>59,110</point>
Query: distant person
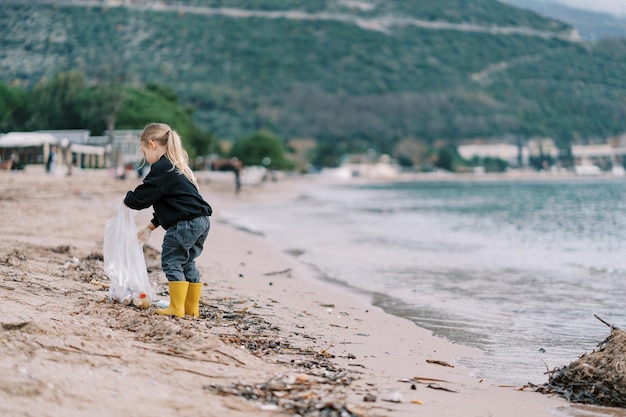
<point>237,181</point>
<point>13,162</point>
<point>120,172</point>
<point>236,164</point>
<point>140,171</point>
<point>52,160</point>
<point>171,189</point>
<point>232,164</point>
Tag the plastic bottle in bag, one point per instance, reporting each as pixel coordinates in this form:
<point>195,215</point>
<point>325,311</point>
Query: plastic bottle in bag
<point>142,301</point>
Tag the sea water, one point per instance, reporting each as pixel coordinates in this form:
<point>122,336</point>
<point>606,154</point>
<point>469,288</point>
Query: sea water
<point>517,268</point>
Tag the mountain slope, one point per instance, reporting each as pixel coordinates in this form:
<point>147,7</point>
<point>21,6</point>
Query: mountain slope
<point>356,72</point>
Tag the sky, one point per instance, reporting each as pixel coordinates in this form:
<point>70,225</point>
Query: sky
<point>616,7</point>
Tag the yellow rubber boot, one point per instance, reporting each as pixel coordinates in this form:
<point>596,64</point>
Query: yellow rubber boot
<point>178,293</point>
<point>192,302</point>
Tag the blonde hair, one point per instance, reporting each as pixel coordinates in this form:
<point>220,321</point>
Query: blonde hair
<point>174,151</point>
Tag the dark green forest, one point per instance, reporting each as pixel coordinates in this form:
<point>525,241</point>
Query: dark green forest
<point>352,77</point>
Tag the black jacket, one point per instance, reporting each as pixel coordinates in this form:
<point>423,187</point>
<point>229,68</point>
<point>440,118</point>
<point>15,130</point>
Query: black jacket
<point>172,195</point>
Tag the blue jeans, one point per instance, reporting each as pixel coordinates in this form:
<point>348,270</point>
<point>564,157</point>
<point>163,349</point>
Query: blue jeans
<point>182,244</point>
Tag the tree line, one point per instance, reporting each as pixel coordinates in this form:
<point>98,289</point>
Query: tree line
<point>66,101</point>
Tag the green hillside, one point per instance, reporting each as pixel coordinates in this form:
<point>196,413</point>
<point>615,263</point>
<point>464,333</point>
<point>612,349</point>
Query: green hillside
<point>360,72</point>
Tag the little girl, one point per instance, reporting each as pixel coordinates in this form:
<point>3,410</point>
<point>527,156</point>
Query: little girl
<point>171,188</point>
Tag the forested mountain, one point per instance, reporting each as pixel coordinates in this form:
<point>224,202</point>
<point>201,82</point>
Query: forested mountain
<point>360,73</point>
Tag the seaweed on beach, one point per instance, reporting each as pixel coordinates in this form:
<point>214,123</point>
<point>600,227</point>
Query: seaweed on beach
<point>597,378</point>
<point>241,327</point>
<point>299,394</point>
<point>316,389</point>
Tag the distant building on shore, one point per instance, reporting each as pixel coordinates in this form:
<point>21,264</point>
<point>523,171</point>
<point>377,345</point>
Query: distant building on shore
<point>75,148</point>
<point>604,156</point>
<point>123,146</point>
<point>510,153</point>
<point>26,147</point>
<point>368,165</point>
<point>588,159</point>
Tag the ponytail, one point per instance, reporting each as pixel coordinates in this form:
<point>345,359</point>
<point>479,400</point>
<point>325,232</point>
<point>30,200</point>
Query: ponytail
<point>174,150</point>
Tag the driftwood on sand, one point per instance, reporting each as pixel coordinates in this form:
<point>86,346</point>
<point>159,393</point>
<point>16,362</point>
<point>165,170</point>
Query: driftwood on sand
<point>597,378</point>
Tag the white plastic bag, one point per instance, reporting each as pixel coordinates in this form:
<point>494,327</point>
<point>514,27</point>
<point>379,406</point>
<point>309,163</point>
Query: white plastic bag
<point>124,263</point>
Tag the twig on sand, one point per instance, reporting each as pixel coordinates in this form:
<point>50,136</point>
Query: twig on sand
<point>429,380</point>
<point>439,387</point>
<point>438,362</point>
<point>199,373</point>
<point>285,271</point>
<point>605,322</point>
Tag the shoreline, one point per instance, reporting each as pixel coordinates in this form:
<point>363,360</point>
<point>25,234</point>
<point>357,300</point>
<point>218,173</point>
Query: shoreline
<point>266,320</point>
<point>526,175</point>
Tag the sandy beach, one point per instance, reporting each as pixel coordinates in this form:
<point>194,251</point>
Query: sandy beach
<point>272,339</point>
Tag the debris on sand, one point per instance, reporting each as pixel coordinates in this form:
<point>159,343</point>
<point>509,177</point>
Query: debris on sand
<point>299,394</point>
<point>597,378</point>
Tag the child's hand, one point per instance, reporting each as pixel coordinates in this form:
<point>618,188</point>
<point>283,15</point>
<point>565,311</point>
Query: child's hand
<point>143,235</point>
